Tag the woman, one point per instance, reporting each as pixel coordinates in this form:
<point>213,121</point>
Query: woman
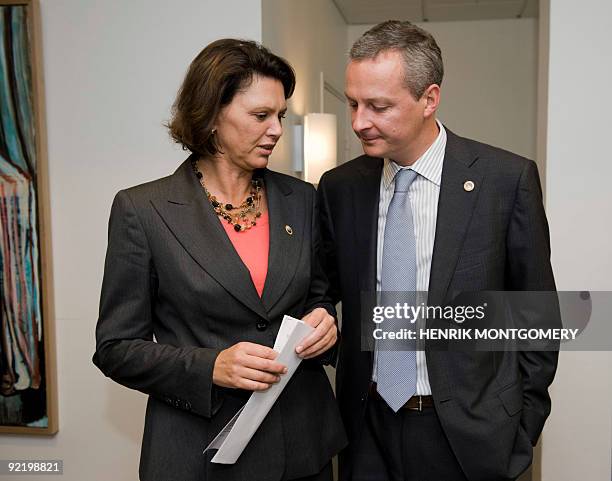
<point>207,261</point>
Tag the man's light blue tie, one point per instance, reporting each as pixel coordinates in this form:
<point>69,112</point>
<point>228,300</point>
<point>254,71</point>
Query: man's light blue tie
<point>396,369</point>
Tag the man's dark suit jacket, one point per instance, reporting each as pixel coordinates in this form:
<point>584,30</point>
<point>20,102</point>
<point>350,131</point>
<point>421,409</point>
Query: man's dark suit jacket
<point>492,405</point>
<point>172,273</point>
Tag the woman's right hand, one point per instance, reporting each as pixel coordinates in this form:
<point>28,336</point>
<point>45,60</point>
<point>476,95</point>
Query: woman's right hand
<point>247,366</point>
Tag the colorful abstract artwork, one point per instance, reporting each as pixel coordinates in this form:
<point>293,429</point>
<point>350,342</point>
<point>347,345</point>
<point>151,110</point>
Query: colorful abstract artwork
<point>23,386</point>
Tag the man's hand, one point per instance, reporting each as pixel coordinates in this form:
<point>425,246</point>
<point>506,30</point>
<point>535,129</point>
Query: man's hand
<point>247,366</point>
<point>324,336</point>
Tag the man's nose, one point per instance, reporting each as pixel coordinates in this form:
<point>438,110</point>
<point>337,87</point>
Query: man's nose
<point>360,120</point>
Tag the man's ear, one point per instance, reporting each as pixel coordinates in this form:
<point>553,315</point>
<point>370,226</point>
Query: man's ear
<point>431,98</point>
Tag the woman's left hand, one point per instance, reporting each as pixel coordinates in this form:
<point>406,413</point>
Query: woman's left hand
<point>324,336</point>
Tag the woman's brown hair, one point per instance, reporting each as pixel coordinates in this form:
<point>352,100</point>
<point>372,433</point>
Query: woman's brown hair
<point>215,75</point>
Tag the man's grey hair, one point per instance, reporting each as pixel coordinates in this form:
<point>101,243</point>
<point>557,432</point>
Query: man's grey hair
<point>422,57</point>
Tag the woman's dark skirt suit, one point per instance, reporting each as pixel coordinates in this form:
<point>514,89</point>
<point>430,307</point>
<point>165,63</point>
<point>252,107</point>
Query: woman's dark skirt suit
<point>176,293</point>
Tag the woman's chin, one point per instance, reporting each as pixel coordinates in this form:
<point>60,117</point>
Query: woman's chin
<point>260,162</point>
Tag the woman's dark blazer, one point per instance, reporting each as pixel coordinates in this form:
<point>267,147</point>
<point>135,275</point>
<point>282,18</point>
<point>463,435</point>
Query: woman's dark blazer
<point>175,293</point>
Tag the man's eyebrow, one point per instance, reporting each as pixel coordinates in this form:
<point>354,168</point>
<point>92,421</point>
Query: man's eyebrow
<point>379,99</point>
<point>372,99</point>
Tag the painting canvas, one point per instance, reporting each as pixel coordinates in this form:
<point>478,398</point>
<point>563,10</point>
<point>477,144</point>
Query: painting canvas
<point>26,387</point>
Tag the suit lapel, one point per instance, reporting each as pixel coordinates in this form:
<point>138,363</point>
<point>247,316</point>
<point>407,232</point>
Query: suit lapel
<point>287,234</point>
<point>190,217</point>
<point>366,195</point>
<point>455,208</point>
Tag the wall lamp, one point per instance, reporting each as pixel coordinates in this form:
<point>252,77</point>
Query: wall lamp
<point>315,146</point>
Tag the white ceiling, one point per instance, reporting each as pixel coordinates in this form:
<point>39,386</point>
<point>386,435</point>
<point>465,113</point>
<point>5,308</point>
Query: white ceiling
<point>375,11</point>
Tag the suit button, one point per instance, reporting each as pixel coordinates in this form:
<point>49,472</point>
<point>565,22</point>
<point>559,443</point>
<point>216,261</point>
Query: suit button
<point>262,325</point>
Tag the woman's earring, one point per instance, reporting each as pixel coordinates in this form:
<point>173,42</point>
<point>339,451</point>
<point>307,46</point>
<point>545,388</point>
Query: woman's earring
<point>213,131</point>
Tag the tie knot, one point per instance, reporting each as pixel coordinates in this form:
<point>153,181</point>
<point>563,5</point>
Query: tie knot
<point>403,179</point>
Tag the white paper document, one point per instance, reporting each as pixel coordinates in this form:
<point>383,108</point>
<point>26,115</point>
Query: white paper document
<point>234,437</point>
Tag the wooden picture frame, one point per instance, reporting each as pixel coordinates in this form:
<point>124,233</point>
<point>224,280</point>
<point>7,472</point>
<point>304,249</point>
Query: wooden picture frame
<point>28,378</point>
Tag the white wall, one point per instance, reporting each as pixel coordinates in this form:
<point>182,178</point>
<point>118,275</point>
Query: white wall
<point>311,35</point>
<point>578,436</point>
<point>490,81</point>
<point>112,69</point>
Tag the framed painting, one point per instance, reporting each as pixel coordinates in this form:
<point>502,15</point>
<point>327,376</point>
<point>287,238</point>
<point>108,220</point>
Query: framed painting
<point>28,399</point>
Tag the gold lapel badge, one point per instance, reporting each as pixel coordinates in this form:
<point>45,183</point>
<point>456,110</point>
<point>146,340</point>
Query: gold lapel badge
<point>468,186</point>
<point>289,230</point>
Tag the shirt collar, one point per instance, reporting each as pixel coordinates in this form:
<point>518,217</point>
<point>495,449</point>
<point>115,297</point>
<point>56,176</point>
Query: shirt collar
<point>429,165</point>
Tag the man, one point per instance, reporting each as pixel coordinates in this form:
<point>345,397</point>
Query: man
<point>450,214</point>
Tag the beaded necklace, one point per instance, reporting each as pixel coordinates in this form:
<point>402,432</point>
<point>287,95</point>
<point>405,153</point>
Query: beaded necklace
<point>242,217</point>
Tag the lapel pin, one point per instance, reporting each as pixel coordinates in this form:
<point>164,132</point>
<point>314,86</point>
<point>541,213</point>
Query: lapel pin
<point>289,230</point>
<point>468,186</point>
